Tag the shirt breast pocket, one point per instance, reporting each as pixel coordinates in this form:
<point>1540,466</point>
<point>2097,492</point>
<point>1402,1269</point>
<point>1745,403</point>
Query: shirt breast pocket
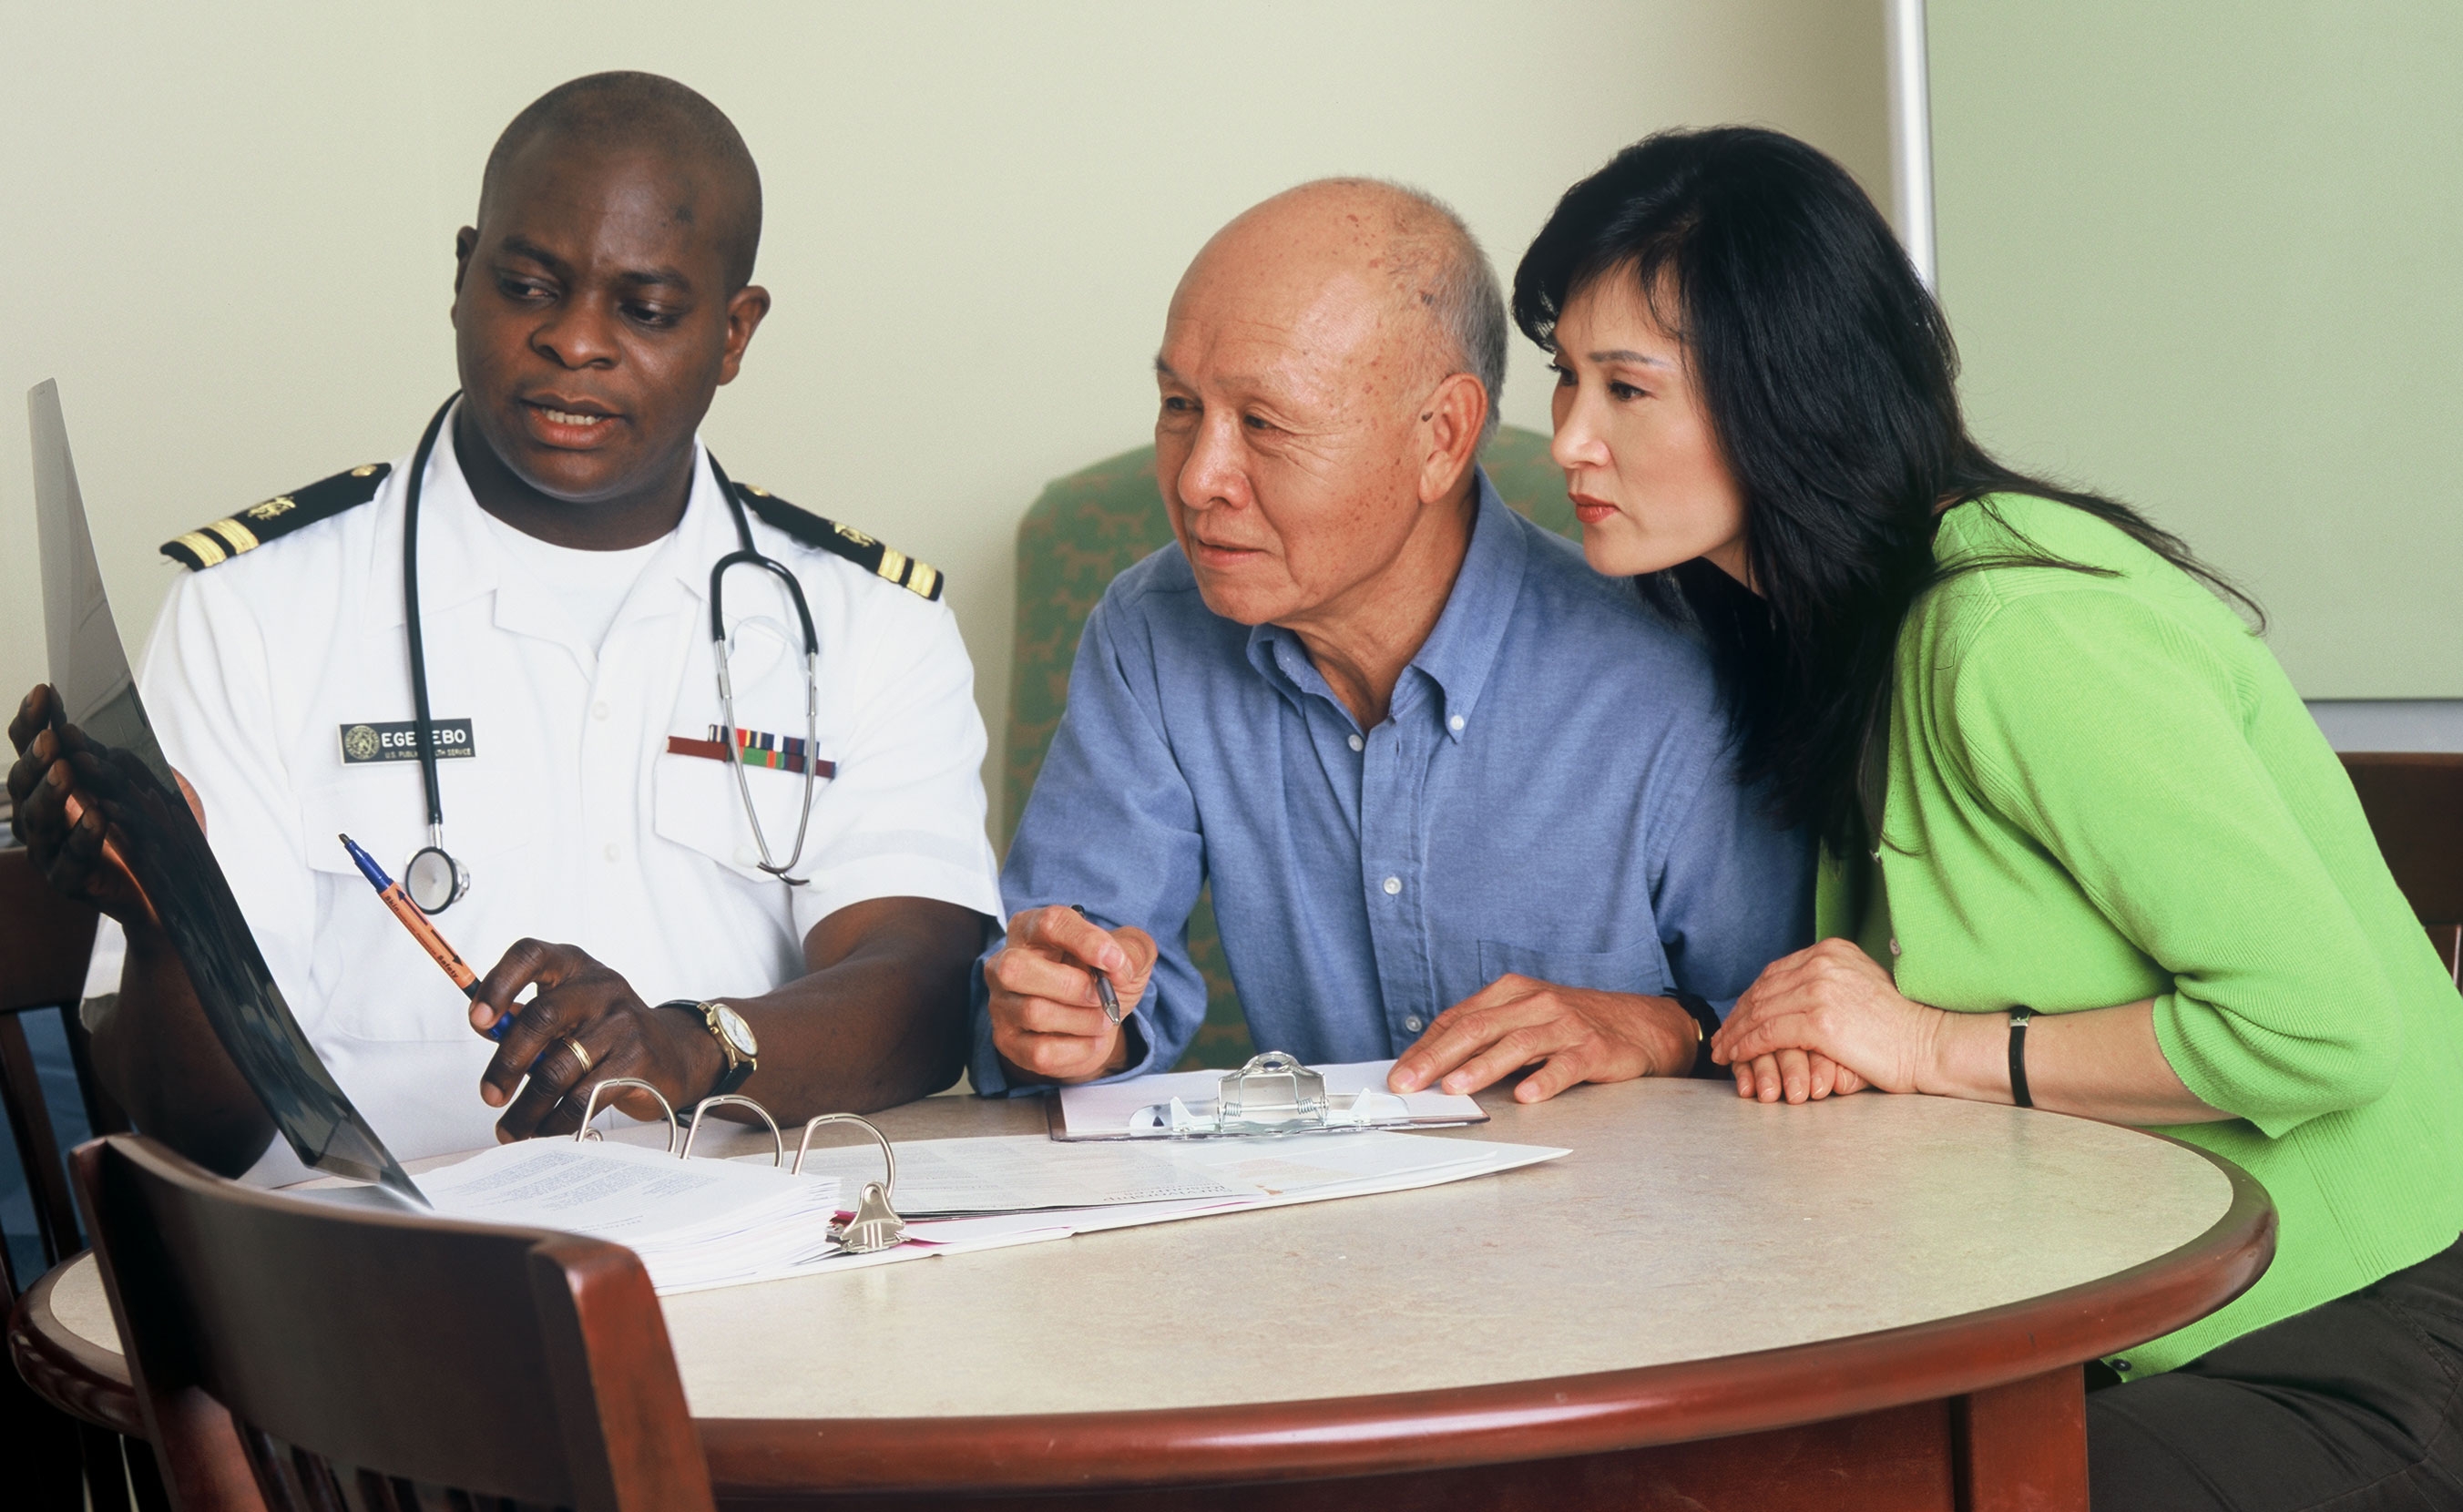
<point>378,984</point>
<point>1641,967</point>
<point>697,804</point>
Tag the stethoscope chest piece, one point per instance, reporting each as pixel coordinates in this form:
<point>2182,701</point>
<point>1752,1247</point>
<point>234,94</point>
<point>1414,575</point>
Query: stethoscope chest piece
<point>434,880</point>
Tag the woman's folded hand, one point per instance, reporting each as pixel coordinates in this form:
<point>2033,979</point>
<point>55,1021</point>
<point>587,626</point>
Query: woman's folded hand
<point>1832,1004</point>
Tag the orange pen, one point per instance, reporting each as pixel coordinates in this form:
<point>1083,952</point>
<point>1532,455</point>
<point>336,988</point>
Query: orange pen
<point>424,932</point>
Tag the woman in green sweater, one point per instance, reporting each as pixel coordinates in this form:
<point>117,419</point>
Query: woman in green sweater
<point>2065,778</point>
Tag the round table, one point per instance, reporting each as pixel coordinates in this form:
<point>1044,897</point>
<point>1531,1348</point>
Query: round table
<point>1711,1299</point>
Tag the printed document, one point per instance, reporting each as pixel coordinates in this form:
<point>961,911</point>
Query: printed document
<point>695,1223</point>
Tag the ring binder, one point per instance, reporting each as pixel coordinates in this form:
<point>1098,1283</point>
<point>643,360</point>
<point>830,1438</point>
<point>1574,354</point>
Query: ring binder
<point>872,1227</point>
<point>876,1225</point>
<point>778,1157</point>
<point>590,1110</point>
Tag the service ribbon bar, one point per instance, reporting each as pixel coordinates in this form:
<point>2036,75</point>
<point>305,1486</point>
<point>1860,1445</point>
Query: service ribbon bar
<point>754,747</point>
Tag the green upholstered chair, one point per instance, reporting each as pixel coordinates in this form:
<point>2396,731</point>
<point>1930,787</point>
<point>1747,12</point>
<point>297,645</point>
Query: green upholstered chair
<point>1085,529</point>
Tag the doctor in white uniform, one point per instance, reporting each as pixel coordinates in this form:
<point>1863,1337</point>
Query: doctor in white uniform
<point>568,522</point>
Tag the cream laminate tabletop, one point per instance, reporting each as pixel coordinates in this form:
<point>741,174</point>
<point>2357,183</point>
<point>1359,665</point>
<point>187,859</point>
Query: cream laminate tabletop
<point>1686,1224</point>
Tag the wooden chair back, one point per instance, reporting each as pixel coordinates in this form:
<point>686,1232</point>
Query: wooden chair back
<point>292,1353</point>
<point>2415,801</point>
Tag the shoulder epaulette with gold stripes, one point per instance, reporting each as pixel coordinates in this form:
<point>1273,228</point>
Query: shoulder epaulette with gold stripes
<point>208,545</point>
<point>881,561</point>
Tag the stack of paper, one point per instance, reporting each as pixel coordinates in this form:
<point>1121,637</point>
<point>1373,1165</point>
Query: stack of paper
<point>1022,1174</point>
<point>699,1225</point>
<point>1244,1175</point>
<point>695,1223</point>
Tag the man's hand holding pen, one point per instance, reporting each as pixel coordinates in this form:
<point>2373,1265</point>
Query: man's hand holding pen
<point>585,1025</point>
<point>1047,1010</point>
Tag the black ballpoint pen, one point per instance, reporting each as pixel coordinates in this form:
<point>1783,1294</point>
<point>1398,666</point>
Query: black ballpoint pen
<point>1103,993</point>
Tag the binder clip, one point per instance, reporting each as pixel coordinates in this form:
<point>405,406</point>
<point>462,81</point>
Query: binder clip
<point>1273,1094</point>
<point>873,1225</point>
<point>1274,1090</point>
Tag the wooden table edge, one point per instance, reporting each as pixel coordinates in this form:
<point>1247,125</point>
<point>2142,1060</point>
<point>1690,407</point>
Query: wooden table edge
<point>1542,1419</point>
<point>79,1378</point>
<point>1321,1438</point>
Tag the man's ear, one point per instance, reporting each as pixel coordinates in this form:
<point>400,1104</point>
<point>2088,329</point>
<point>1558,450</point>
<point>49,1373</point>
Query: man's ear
<point>746,309</point>
<point>466,241</point>
<point>1451,420</point>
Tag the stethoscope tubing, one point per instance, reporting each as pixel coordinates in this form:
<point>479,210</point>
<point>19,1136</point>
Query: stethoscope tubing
<point>423,726</point>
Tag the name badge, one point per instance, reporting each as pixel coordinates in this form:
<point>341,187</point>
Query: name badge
<point>398,741</point>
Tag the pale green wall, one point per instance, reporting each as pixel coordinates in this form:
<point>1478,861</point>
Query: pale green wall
<point>2210,257</point>
<point>227,230</point>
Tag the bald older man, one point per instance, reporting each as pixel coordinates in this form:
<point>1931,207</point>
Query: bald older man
<point>1461,801</point>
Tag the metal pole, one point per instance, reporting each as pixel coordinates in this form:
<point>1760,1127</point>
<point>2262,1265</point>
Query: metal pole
<point>1911,135</point>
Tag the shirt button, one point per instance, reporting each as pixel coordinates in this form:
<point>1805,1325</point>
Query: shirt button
<point>1412,1024</point>
<point>598,710</point>
<point>1394,886</point>
<point>1894,945</point>
<point>1455,724</point>
<point>611,852</point>
<point>1358,744</point>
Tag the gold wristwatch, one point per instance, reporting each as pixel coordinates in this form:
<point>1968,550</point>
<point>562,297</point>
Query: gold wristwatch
<point>735,1036</point>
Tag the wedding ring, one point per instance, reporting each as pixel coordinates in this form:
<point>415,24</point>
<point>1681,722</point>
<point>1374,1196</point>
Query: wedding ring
<point>578,1053</point>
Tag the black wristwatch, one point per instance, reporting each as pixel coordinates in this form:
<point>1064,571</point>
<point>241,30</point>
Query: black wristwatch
<point>1709,1022</point>
<point>736,1041</point>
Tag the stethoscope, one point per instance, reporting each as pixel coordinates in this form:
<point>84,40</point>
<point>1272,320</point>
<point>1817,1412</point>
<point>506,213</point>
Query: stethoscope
<point>434,879</point>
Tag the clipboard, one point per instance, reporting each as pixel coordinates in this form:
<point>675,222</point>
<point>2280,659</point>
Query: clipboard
<point>1272,1097</point>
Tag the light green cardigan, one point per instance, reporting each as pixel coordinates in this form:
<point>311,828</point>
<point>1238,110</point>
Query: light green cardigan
<point>2103,789</point>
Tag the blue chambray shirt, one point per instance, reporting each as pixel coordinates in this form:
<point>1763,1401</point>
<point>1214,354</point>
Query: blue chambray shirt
<point>1550,794</point>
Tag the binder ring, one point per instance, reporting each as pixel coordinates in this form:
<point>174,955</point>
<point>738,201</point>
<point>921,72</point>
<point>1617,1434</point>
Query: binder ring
<point>590,1110</point>
<point>874,1225</point>
<point>777,1156</point>
<point>888,1156</point>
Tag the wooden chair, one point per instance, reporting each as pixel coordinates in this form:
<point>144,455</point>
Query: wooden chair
<point>45,942</point>
<point>2415,801</point>
<point>290,1354</point>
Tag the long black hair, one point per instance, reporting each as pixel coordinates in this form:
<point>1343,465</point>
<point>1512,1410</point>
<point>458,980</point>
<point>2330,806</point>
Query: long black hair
<point>1830,379</point>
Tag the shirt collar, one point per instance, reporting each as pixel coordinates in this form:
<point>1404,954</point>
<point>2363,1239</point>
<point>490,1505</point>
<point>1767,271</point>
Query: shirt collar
<point>1455,658</point>
<point>705,534</point>
<point>458,560</point>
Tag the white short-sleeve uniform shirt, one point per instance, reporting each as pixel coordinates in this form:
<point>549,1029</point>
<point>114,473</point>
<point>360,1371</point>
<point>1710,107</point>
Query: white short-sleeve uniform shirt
<point>577,823</point>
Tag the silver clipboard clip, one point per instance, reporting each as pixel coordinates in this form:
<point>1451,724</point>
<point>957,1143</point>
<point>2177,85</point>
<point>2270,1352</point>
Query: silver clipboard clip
<point>872,1227</point>
<point>1274,1094</point>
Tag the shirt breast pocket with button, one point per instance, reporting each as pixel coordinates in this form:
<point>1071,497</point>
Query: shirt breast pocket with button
<point>375,981</point>
<point>1641,967</point>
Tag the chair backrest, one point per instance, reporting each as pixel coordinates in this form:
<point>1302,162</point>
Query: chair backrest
<point>45,942</point>
<point>295,1354</point>
<point>1088,528</point>
<point>2415,801</point>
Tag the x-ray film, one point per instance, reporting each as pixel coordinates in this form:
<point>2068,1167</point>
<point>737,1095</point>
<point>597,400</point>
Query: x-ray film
<point>159,838</point>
